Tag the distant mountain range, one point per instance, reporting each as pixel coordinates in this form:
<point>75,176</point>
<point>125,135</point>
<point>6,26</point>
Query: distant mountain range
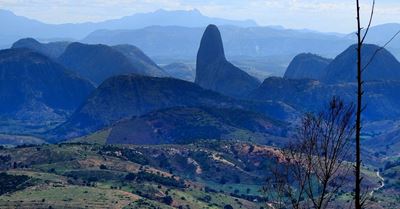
<point>183,29</point>
<point>18,27</point>
<point>173,36</point>
<point>183,42</point>
<point>260,51</point>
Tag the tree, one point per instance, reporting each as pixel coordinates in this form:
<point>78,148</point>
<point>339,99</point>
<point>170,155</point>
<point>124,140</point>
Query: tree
<point>357,191</point>
<point>228,207</point>
<point>312,169</point>
<point>168,200</point>
<point>359,198</point>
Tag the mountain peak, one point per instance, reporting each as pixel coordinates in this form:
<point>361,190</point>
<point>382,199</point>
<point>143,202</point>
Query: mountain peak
<point>211,46</point>
<point>6,12</point>
<point>384,65</point>
<point>24,42</point>
<point>214,72</point>
<point>307,66</point>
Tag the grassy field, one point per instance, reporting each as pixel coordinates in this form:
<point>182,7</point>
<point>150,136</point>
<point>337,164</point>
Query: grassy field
<point>202,175</point>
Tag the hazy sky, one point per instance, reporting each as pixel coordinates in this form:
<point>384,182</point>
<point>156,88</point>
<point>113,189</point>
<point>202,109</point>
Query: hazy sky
<point>322,15</point>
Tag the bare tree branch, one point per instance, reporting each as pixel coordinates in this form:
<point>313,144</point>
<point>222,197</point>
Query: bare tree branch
<point>380,49</point>
<point>314,166</point>
<point>370,21</point>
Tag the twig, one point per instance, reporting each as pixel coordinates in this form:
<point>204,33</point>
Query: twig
<point>380,49</point>
<point>370,21</point>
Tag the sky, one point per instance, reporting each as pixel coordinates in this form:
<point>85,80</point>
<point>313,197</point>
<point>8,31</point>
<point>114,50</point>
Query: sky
<point>320,15</point>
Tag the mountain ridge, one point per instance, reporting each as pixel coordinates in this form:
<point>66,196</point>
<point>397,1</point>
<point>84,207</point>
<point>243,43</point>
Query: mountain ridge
<point>20,27</point>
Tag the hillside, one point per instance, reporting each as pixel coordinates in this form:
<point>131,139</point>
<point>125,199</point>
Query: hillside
<point>125,96</point>
<point>186,125</point>
<point>36,91</point>
<point>132,95</point>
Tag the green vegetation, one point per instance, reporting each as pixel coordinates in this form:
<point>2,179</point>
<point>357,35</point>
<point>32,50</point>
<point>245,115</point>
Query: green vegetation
<point>207,174</point>
<point>10,183</point>
<point>90,175</point>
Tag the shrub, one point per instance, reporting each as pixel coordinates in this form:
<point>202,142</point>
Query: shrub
<point>228,207</point>
<point>168,200</point>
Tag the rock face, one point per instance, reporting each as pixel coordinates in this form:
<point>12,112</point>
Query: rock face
<point>343,68</point>
<point>33,87</point>
<point>52,50</point>
<point>214,72</point>
<point>189,124</point>
<point>100,62</point>
<point>307,66</point>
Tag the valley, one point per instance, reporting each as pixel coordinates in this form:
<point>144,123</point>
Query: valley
<point>208,174</point>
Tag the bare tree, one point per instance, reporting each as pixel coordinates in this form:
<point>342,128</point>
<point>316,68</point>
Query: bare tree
<point>312,169</point>
<point>358,179</point>
<point>359,197</point>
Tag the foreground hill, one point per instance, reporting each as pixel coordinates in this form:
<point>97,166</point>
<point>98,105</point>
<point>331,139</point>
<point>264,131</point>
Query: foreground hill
<point>100,62</point>
<point>52,49</point>
<point>214,72</point>
<point>96,176</point>
<point>384,66</point>
<point>185,125</point>
<point>34,88</point>
<point>208,174</point>
<point>307,66</point>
